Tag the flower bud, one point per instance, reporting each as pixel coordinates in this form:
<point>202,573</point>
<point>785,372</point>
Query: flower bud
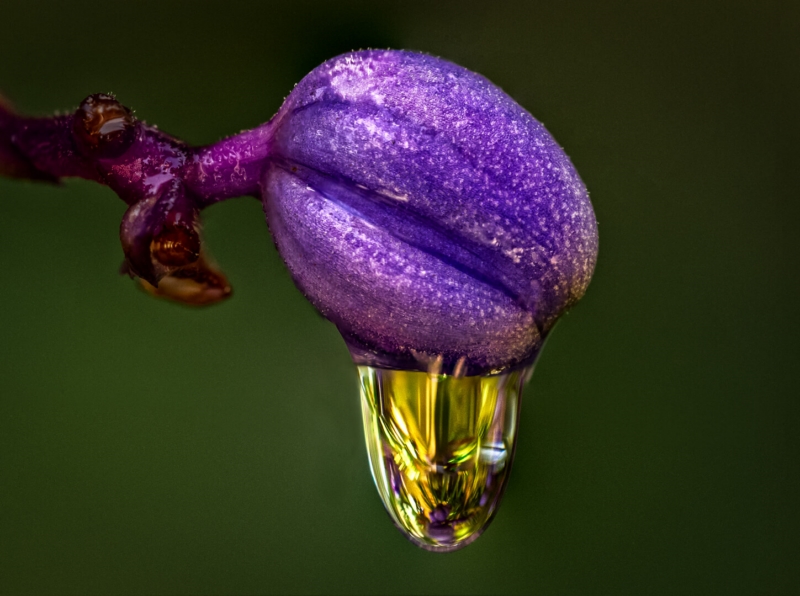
<point>426,213</point>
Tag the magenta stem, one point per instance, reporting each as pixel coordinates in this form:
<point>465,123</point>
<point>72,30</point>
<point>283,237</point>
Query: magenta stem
<point>230,168</point>
<point>47,148</point>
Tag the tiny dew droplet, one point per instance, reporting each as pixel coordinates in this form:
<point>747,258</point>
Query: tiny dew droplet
<point>440,448</point>
<point>176,246</point>
<point>103,127</point>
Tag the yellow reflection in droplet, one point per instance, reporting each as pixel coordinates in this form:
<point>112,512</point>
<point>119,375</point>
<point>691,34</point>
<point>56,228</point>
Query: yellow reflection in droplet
<point>440,448</point>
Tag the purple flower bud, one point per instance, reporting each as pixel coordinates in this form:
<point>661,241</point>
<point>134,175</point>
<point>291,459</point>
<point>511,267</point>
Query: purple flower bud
<point>426,213</point>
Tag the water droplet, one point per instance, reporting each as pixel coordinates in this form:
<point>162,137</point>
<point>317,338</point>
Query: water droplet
<point>103,127</point>
<point>176,246</point>
<point>440,448</point>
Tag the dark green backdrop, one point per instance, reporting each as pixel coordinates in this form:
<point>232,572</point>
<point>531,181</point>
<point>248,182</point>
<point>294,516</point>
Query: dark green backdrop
<point>147,448</point>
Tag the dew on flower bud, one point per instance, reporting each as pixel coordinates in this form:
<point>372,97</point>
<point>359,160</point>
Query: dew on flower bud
<point>410,200</point>
<point>176,246</point>
<point>440,449</point>
<point>103,127</point>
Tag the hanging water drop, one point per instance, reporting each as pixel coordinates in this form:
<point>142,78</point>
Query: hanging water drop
<point>440,448</point>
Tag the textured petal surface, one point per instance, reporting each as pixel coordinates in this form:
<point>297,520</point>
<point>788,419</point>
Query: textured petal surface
<point>423,211</point>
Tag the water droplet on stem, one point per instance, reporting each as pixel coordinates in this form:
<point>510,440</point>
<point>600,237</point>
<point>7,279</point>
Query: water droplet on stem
<point>176,246</point>
<point>103,127</point>
<point>440,449</point>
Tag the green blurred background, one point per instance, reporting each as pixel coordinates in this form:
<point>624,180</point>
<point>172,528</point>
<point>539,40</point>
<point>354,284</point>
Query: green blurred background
<point>147,448</point>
